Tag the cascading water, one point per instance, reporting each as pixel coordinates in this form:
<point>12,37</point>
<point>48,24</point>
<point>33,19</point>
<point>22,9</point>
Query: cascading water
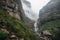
<point>35,26</point>
<point>32,12</point>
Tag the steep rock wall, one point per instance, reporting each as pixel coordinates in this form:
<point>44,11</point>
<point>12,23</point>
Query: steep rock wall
<point>49,12</point>
<point>13,7</point>
<point>49,20</point>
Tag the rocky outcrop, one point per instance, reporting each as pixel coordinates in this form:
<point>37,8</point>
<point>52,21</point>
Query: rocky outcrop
<point>13,7</point>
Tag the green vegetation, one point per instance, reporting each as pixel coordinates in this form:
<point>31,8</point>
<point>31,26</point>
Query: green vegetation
<point>15,25</point>
<point>53,27</point>
<point>3,35</point>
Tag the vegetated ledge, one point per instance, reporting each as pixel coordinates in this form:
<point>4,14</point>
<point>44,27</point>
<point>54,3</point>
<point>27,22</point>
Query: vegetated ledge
<point>53,27</point>
<point>12,28</point>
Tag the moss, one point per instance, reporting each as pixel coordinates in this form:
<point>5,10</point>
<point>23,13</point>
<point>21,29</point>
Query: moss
<point>13,24</point>
<point>53,27</point>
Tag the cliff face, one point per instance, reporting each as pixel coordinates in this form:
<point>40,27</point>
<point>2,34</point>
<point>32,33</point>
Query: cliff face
<point>12,25</point>
<point>50,12</point>
<point>49,19</point>
<point>13,7</point>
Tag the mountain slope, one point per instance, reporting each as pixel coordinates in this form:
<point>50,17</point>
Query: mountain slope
<point>12,27</point>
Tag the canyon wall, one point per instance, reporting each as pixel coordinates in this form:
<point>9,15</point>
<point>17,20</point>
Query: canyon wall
<point>49,20</point>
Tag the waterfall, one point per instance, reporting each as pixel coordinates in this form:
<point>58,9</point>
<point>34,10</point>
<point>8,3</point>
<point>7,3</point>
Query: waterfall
<point>35,26</point>
<point>32,11</point>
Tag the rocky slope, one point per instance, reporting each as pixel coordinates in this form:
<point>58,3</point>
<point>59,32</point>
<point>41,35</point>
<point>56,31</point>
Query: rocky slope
<point>13,7</point>
<point>49,18</point>
<point>12,26</point>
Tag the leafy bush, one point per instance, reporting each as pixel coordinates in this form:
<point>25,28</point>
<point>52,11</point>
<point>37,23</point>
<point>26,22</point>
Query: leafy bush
<point>3,35</point>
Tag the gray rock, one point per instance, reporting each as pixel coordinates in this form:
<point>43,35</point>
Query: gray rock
<point>27,3</point>
<point>49,12</point>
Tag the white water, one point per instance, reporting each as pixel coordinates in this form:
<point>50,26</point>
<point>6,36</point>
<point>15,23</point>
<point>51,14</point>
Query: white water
<point>33,12</point>
<point>35,25</point>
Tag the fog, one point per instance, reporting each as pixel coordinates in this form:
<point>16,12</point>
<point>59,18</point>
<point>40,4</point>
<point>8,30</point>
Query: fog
<point>36,5</point>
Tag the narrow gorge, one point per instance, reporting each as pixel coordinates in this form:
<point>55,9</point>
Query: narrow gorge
<point>31,14</point>
<point>29,20</point>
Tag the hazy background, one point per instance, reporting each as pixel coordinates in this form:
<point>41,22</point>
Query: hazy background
<point>36,5</point>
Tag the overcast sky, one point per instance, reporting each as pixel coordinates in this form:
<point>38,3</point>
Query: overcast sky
<point>38,4</point>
